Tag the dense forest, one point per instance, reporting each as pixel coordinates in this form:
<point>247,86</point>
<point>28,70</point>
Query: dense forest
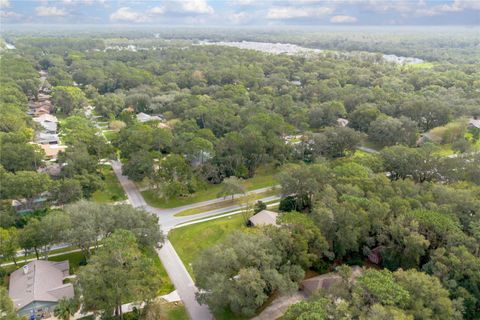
<point>220,112</point>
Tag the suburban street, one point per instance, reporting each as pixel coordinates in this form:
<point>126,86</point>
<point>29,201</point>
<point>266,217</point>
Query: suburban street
<point>171,261</point>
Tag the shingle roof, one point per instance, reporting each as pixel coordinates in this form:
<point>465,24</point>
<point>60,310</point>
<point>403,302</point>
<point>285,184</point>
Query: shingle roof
<point>474,123</point>
<point>46,117</point>
<point>264,217</point>
<point>40,281</point>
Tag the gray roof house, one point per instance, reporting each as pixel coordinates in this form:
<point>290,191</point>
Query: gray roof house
<point>49,127</point>
<point>143,117</point>
<point>37,287</point>
<point>47,138</point>
<point>263,218</point>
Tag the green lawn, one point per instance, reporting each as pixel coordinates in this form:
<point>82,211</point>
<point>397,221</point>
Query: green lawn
<point>169,311</point>
<point>112,191</point>
<point>173,311</point>
<point>227,203</point>
<point>110,135</point>
<point>265,177</point>
<point>189,241</point>
<point>167,285</point>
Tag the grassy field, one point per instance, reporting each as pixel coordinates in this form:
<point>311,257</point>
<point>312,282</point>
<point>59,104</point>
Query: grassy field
<point>110,135</point>
<point>173,311</point>
<point>169,311</point>
<point>189,241</point>
<point>112,191</point>
<point>167,285</point>
<point>227,203</point>
<point>265,177</point>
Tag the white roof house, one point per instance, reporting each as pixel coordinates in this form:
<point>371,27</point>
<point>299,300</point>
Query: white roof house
<point>46,118</point>
<point>37,286</point>
<point>143,117</point>
<point>264,217</point>
<point>474,123</point>
<point>341,122</point>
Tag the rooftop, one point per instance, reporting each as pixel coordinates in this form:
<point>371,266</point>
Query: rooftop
<point>40,281</point>
<point>264,217</point>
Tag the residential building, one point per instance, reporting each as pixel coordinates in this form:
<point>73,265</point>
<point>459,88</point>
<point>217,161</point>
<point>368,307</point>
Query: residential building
<point>36,288</point>
<point>263,218</point>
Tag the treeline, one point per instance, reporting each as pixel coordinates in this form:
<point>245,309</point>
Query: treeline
<point>344,213</point>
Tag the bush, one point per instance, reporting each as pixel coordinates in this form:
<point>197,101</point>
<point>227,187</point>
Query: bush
<point>288,204</point>
<point>259,206</point>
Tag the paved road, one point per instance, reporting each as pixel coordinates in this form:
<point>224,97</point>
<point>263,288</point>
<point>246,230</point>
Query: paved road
<point>183,282</point>
<point>167,217</point>
<point>173,264</point>
<point>171,261</point>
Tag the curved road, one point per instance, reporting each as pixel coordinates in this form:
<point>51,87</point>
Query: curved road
<point>171,261</point>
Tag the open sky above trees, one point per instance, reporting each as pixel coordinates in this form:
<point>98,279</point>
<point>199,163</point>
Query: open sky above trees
<point>243,12</point>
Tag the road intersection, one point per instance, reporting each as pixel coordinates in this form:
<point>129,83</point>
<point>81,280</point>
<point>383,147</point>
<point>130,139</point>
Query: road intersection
<point>174,266</point>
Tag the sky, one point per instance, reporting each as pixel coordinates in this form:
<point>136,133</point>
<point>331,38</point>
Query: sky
<point>256,13</point>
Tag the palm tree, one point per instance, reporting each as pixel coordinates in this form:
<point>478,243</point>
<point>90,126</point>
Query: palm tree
<point>65,308</point>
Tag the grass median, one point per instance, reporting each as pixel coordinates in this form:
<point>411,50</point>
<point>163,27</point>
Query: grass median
<point>227,203</point>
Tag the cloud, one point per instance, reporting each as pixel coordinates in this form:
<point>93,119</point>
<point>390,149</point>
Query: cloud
<point>87,2</point>
<point>183,7</point>
<point>9,14</point>
<point>157,10</point>
<point>44,11</point>
<point>301,12</point>
<point>195,6</point>
<point>455,6</point>
<point>240,17</point>
<point>343,19</point>
<point>242,2</point>
<point>4,4</point>
<point>128,15</point>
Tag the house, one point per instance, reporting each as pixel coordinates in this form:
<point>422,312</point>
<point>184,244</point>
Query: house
<point>341,122</point>
<point>48,127</point>
<point>52,150</point>
<point>263,218</point>
<point>474,123</point>
<point>47,138</point>
<point>51,168</point>
<point>36,288</point>
<point>40,111</point>
<point>375,255</point>
<point>326,281</point>
<point>46,118</point>
<point>143,117</point>
<point>43,97</point>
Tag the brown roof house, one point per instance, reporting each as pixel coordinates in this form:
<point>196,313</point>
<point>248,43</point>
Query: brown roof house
<point>263,218</point>
<point>36,288</point>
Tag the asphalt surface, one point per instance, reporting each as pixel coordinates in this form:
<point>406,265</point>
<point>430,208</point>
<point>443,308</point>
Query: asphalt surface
<point>171,261</point>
